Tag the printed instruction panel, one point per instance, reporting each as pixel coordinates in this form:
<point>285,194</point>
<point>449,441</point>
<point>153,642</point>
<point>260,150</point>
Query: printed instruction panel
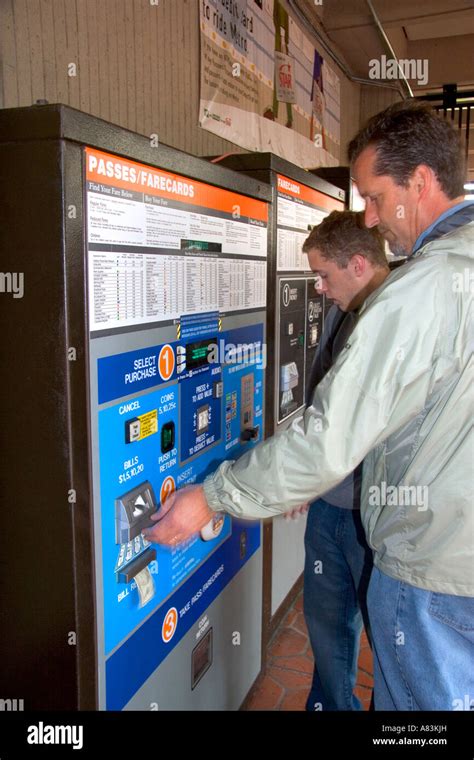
<point>161,245</point>
<point>300,208</point>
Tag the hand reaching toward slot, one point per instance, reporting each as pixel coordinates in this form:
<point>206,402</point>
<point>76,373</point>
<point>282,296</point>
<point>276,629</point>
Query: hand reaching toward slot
<point>182,515</point>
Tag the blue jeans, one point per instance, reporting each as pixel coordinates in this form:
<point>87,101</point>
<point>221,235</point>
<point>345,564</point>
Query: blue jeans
<point>336,575</point>
<point>423,644</point>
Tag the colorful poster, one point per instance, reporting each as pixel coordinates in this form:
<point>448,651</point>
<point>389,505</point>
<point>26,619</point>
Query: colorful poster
<point>262,83</point>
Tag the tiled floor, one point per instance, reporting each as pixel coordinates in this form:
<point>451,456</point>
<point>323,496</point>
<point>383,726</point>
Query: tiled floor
<point>286,681</point>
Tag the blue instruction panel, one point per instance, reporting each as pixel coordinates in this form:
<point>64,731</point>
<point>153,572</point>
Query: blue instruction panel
<point>144,439</point>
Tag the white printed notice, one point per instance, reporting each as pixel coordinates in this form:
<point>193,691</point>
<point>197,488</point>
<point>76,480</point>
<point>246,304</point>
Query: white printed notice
<point>299,209</point>
<point>161,245</point>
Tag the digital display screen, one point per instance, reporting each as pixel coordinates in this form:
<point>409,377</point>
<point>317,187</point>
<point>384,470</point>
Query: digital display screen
<point>201,245</point>
<point>197,353</point>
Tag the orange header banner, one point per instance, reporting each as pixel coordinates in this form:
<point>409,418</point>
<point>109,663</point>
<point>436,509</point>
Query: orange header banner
<point>308,194</point>
<point>130,175</point>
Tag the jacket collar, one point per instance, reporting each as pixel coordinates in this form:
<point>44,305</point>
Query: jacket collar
<point>455,217</point>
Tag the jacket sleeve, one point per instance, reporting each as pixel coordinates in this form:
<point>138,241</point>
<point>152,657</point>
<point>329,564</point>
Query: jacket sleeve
<point>380,380</point>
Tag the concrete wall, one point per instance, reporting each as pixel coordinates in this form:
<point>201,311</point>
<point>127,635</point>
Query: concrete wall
<point>137,63</point>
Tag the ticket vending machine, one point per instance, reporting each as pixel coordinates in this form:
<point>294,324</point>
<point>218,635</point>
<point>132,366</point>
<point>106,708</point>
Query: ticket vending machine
<point>295,321</point>
<point>133,364</point>
<point>341,177</point>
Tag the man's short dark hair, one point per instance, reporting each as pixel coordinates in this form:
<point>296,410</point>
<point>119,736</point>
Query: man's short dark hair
<point>408,134</point>
<point>342,234</point>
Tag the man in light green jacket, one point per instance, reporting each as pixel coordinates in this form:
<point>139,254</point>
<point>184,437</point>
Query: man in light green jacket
<point>400,398</point>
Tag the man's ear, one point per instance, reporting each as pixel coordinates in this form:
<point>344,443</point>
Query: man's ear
<point>422,179</point>
<point>359,264</point>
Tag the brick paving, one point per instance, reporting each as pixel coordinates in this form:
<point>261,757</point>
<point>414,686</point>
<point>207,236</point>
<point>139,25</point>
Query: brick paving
<point>287,679</point>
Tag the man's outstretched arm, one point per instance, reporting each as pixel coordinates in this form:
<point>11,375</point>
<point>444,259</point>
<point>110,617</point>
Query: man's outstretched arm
<point>371,391</point>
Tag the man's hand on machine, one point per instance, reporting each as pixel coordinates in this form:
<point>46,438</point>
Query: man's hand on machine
<point>184,513</point>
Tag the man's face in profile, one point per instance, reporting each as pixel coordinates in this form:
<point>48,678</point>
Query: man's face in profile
<point>390,207</point>
<point>341,285</point>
